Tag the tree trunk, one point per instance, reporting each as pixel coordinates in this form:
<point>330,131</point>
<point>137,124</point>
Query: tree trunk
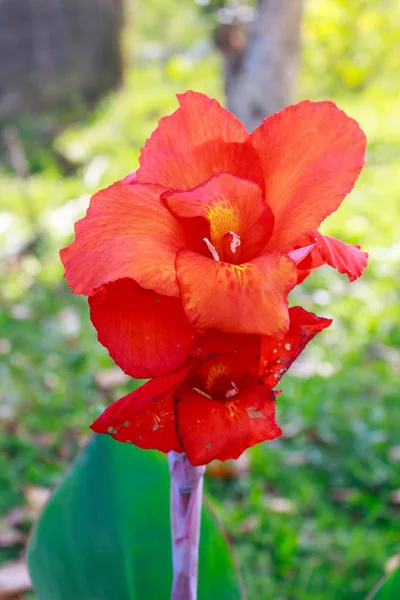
<point>261,60</point>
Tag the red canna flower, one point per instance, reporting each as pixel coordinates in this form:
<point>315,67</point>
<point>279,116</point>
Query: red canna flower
<point>208,233</point>
<point>220,403</point>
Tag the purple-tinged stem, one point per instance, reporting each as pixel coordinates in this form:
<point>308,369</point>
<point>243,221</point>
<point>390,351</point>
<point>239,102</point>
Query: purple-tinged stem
<point>186,499</point>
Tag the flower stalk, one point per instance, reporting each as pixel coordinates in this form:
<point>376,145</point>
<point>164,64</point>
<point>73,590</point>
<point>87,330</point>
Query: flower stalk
<point>186,500</point>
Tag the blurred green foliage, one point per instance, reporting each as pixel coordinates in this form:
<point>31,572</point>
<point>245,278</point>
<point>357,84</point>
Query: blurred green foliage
<point>352,44</point>
<point>317,515</point>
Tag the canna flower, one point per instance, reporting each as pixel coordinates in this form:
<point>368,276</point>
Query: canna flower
<point>220,402</point>
<point>214,230</point>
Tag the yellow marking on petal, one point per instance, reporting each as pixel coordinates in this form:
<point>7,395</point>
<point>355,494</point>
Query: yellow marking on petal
<point>240,268</point>
<point>232,408</point>
<point>215,372</point>
<point>222,219</point>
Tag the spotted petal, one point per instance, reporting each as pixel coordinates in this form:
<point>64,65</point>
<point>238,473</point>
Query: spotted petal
<point>211,429</point>
<point>277,356</point>
<point>145,417</point>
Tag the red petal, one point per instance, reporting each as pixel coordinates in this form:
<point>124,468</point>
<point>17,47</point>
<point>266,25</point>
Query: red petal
<point>302,274</point>
<point>249,298</point>
<point>312,260</point>
<point>198,140</point>
<point>312,154</point>
<point>146,334</point>
<point>345,258</point>
<point>127,232</point>
<point>276,357</point>
<point>210,429</point>
<point>230,204</point>
<point>214,342</point>
<point>215,374</point>
<point>145,417</point>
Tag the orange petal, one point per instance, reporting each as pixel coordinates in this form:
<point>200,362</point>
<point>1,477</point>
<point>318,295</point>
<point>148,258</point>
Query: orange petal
<point>147,334</point>
<point>312,154</point>
<point>277,356</point>
<point>199,139</point>
<point>127,232</point>
<point>232,206</point>
<point>249,298</point>
<point>212,429</point>
<point>145,417</point>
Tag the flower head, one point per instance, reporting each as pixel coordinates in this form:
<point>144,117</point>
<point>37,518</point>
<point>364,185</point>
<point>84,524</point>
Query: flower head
<point>220,402</point>
<point>214,230</point>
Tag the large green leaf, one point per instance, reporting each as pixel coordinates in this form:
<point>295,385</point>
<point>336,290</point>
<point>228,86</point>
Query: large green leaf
<point>104,535</point>
<point>389,589</point>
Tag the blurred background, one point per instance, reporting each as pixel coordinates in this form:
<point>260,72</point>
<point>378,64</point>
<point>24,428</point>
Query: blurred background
<point>315,514</point>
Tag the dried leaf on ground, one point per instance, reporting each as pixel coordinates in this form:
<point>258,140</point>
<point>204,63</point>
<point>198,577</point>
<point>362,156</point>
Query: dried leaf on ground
<point>392,564</point>
<point>252,523</point>
<point>394,454</point>
<point>14,578</point>
<point>107,379</point>
<point>394,497</point>
<point>10,536</point>
<point>36,497</point>
<point>282,506</point>
<point>231,469</point>
<point>18,515</point>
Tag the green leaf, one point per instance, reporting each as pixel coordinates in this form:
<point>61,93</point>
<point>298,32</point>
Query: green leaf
<point>104,535</point>
<point>389,589</point>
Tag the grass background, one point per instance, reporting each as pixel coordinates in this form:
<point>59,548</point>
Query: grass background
<point>316,513</point>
